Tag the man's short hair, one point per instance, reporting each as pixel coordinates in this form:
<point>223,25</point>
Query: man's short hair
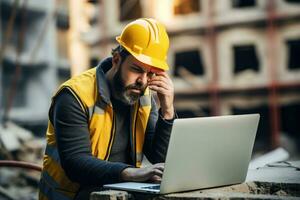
<point>121,50</point>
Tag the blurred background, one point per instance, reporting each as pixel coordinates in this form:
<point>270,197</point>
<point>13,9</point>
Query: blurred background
<point>226,57</point>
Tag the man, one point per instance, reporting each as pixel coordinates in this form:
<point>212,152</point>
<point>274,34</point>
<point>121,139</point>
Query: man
<point>102,121</point>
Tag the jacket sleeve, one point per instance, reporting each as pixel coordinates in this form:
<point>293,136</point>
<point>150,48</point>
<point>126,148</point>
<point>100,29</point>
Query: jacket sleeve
<point>73,142</point>
<point>157,135</point>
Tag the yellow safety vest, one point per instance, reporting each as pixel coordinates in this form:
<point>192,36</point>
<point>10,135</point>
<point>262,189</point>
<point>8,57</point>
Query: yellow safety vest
<point>94,100</point>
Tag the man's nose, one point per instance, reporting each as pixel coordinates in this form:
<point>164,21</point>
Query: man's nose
<point>143,79</point>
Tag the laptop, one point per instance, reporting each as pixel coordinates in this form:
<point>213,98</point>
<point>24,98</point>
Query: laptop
<point>203,153</point>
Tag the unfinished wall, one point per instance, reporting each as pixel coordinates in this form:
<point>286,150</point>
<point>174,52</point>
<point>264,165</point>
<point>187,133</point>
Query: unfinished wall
<point>226,57</point>
<point>40,34</point>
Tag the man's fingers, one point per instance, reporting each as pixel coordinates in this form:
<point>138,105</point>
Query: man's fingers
<point>160,78</point>
<point>162,73</point>
<point>160,84</point>
<point>158,169</point>
<point>159,89</point>
<point>143,174</point>
<point>160,166</point>
<point>155,179</point>
<point>157,172</point>
<point>165,77</point>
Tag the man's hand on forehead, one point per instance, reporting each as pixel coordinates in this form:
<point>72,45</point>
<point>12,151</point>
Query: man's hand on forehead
<point>163,85</point>
<point>154,71</point>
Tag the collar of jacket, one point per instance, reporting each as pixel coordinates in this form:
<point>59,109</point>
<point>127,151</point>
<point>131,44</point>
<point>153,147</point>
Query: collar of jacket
<point>102,83</point>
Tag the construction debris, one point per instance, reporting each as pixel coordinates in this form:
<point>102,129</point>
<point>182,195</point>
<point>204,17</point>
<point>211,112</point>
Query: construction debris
<point>18,184</point>
<point>19,144</point>
<point>277,155</point>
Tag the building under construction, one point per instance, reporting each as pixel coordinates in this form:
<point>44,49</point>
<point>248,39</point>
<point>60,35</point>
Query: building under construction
<point>226,57</point>
<point>33,59</point>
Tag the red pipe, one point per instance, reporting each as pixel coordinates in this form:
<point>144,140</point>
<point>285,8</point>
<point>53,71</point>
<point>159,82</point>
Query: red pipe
<point>20,164</point>
<point>272,55</point>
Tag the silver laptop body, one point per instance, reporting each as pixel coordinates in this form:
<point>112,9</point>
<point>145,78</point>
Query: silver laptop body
<point>204,152</point>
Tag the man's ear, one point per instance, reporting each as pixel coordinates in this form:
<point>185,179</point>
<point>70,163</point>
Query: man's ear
<point>116,60</point>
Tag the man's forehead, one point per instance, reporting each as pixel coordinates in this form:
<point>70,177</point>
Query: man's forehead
<point>144,66</point>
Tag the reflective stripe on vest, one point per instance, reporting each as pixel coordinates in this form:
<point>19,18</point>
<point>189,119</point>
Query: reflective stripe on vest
<point>145,101</point>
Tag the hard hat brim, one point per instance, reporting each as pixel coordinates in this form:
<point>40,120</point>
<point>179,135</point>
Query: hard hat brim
<point>146,59</point>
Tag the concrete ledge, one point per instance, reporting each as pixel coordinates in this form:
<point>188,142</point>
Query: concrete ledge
<point>277,181</point>
<point>250,190</point>
<point>110,195</point>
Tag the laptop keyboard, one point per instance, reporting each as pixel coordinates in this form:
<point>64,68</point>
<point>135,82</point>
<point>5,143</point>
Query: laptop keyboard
<point>155,187</point>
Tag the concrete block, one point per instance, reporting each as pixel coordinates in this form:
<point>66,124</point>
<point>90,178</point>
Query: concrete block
<point>109,195</point>
<point>9,140</point>
<point>21,133</point>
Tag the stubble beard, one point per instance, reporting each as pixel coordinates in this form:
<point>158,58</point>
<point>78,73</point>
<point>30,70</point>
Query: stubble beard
<point>122,92</point>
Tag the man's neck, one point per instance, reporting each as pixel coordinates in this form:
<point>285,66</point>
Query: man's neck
<point>109,75</point>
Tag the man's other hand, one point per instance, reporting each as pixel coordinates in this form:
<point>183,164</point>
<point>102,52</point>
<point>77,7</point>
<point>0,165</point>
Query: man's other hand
<point>151,173</point>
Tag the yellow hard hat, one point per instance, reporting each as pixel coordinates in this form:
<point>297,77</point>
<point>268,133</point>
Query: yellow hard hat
<point>147,40</point>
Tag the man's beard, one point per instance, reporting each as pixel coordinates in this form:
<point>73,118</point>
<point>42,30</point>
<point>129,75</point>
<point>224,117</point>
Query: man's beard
<point>122,92</point>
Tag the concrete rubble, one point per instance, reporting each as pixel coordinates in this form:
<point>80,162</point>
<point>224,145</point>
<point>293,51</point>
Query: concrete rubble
<point>17,143</point>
